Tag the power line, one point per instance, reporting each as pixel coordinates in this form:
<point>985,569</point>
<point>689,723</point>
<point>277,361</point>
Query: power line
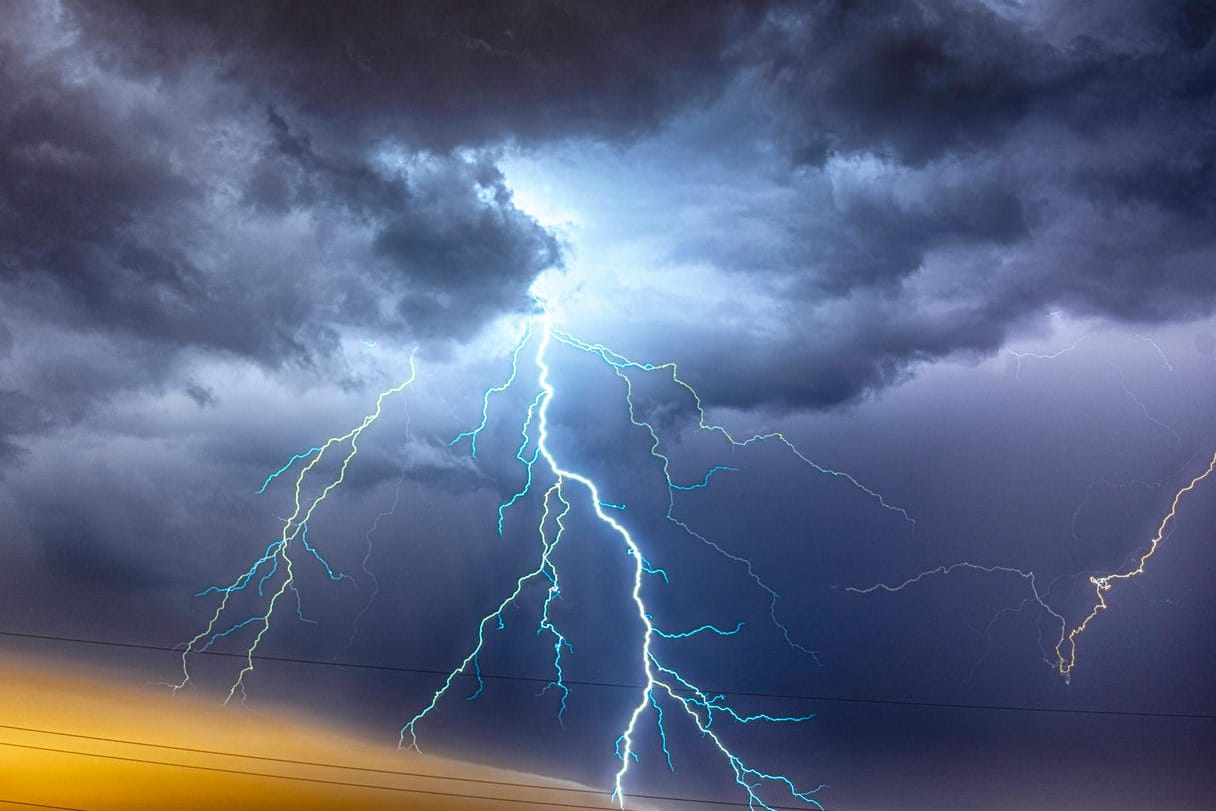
<point>627,686</point>
<point>295,778</point>
<point>369,786</point>
<point>371,770</point>
<point>293,762</point>
<point>41,805</point>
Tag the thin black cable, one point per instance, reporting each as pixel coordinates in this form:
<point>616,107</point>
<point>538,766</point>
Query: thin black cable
<point>351,784</point>
<point>41,805</point>
<point>372,770</point>
<point>295,778</point>
<point>621,685</point>
<point>312,763</point>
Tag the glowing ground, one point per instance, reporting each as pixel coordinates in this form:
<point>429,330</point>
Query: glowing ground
<point>82,742</point>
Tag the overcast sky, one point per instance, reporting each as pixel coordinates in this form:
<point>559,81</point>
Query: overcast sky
<point>963,251</point>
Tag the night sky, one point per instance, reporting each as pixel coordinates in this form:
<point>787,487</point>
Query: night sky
<point>961,255</point>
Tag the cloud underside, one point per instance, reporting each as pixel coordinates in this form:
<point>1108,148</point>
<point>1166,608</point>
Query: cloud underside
<point>258,179</point>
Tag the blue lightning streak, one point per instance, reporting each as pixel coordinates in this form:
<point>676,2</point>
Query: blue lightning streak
<point>711,628</point>
<point>286,467</point>
<point>544,570</point>
<point>244,579</point>
<point>704,482</point>
<point>646,567</point>
<point>528,463</point>
<point>313,551</point>
<point>485,402</point>
<point>660,679</point>
<point>295,527</point>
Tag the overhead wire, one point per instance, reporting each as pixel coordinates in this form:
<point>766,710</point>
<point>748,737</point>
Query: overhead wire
<point>946,705</point>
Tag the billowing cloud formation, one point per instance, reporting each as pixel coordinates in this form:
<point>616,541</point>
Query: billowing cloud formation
<point>968,126</point>
<point>917,177</point>
<point>167,206</point>
<point>895,183</point>
<point>178,210</point>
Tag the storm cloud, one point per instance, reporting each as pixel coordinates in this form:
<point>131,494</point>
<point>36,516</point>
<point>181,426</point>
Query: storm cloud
<point>441,75</point>
<point>886,185</point>
<point>255,179</point>
<point>177,215</point>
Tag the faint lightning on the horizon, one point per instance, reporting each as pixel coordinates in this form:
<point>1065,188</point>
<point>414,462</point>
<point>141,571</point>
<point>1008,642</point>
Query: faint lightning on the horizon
<point>1169,367</point>
<point>1023,356</point>
<point>1037,596</point>
<point>365,564</point>
<point>1131,395</point>
<point>1064,658</point>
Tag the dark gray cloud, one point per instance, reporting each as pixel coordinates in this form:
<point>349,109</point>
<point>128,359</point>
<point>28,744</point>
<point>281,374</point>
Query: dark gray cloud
<point>291,174</point>
<point>466,256</point>
<point>442,74</point>
<point>918,80</point>
<point>916,138</point>
<point>175,210</point>
<point>915,80</point>
<point>200,394</point>
<point>119,202</point>
<point>19,415</point>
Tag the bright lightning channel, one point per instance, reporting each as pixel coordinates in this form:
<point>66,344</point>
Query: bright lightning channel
<point>1066,649</point>
<point>663,683</point>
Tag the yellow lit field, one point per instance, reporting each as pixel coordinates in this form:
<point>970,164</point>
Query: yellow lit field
<point>90,742</point>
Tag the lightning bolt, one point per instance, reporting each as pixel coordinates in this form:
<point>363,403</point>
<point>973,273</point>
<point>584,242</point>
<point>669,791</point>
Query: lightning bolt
<point>1066,649</point>
<point>664,686</point>
<point>1064,658</point>
<point>283,551</point>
